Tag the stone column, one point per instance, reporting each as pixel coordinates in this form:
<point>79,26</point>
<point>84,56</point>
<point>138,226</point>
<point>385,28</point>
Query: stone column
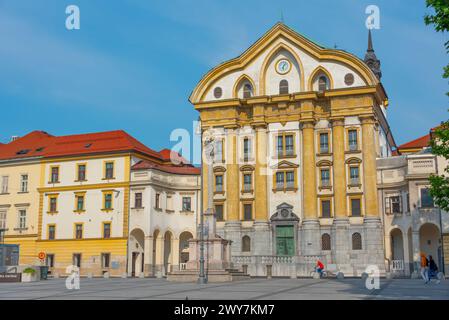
<point>340,229</point>
<point>369,167</point>
<point>233,224</point>
<point>175,254</point>
<point>339,168</point>
<point>148,258</point>
<point>261,240</point>
<point>372,221</point>
<point>311,227</point>
<point>406,254</point>
<point>159,264</point>
<point>416,253</point>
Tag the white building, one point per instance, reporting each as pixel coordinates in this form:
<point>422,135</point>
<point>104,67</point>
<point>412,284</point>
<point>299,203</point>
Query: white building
<point>163,216</point>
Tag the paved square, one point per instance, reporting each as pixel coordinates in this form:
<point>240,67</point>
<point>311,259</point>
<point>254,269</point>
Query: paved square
<point>254,289</point>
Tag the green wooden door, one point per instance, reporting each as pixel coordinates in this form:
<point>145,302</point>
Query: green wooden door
<point>285,241</point>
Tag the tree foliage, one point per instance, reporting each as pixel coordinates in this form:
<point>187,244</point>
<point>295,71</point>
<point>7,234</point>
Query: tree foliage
<point>440,20</point>
<point>440,136</point>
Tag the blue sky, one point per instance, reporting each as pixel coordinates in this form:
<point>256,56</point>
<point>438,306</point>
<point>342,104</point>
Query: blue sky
<point>134,63</point>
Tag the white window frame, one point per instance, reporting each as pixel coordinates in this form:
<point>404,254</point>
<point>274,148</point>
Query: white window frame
<point>22,224</point>
<point>24,182</point>
<point>5,181</point>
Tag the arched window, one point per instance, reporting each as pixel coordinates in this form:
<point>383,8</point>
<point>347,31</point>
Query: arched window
<point>322,83</point>
<point>246,244</point>
<point>356,241</point>
<point>247,91</point>
<point>283,87</point>
<point>325,242</point>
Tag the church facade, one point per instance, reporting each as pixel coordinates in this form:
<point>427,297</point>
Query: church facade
<point>297,128</point>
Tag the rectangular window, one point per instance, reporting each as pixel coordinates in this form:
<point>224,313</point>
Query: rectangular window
<point>22,219</point>
<point>23,183</point>
<point>352,137</point>
<point>53,204</point>
<point>186,204</point>
<point>355,208</point>
<point>247,212</point>
<point>51,232</point>
<point>219,183</point>
<point>79,203</point>
<point>2,219</point>
<point>280,146</point>
<point>105,260</point>
<point>325,178</point>
<point>81,172</point>
<point>396,205</point>
<point>54,175</point>
<point>108,201</point>
<point>290,179</point>
<point>354,176</point>
<point>157,201</point>
<point>426,198</point>
<point>5,184</point>
<point>78,231</point>
<point>246,149</point>
<point>219,212</point>
<point>325,208</point>
<point>50,260</point>
<point>324,142</point>
<point>247,182</point>
<point>109,170</point>
<point>76,259</point>
<point>106,230</point>
<point>289,145</point>
<point>218,151</point>
<point>138,200</point>
<point>280,180</point>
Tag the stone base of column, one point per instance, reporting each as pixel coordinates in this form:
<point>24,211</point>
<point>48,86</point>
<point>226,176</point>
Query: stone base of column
<point>340,241</point>
<point>262,240</point>
<point>310,239</point>
<point>232,232</point>
<point>374,243</point>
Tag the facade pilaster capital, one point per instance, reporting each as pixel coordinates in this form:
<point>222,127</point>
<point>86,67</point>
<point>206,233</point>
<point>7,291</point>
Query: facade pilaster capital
<point>337,122</point>
<point>308,124</point>
<point>367,119</point>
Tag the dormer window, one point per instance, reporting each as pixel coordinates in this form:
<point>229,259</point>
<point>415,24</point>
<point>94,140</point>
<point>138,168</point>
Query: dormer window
<point>283,87</point>
<point>247,91</point>
<point>22,152</point>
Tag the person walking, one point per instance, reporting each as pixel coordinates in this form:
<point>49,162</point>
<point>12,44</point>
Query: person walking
<point>424,268</point>
<point>433,270</point>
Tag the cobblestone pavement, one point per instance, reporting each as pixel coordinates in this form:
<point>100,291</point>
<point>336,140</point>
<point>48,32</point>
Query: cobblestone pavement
<point>254,289</point>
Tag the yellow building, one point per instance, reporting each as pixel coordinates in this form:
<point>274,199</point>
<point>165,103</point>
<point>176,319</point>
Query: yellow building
<point>75,205</point>
<point>298,128</point>
<point>19,199</point>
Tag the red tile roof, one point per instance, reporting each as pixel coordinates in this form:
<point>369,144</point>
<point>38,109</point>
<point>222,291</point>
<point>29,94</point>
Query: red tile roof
<point>42,144</point>
<point>421,142</point>
<point>168,155</point>
<point>186,169</point>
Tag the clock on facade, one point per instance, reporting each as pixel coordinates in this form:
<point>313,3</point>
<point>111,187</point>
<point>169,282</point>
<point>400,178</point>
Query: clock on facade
<point>283,66</point>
